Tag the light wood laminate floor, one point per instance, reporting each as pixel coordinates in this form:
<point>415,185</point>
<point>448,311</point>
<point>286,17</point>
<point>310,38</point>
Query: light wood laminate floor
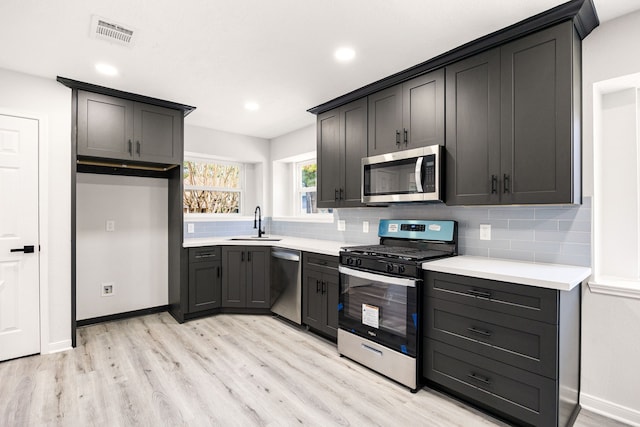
<point>226,370</point>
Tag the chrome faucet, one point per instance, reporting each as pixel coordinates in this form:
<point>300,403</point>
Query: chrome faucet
<point>257,223</point>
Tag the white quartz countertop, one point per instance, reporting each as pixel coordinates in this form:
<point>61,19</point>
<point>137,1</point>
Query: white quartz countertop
<point>326,247</point>
<point>551,276</point>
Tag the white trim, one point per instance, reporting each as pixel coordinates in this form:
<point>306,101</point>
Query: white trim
<point>615,286</point>
<point>204,217</point>
<point>320,218</point>
<point>43,213</point>
<point>56,347</point>
<point>610,409</point>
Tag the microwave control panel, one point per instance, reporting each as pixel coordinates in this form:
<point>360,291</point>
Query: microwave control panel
<point>429,182</point>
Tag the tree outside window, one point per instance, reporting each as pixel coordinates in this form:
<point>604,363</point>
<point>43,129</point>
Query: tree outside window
<point>212,187</point>
<point>306,173</point>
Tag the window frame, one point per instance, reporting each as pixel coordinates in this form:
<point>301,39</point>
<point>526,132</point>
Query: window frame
<point>204,158</point>
<point>298,189</point>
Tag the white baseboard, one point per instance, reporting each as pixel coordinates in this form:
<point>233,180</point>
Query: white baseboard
<point>55,347</point>
<point>610,410</point>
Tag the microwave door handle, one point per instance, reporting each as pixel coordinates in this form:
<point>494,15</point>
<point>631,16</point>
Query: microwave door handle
<point>418,173</point>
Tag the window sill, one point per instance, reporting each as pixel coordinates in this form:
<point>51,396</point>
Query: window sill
<point>215,217</point>
<point>321,218</point>
<point>616,286</point>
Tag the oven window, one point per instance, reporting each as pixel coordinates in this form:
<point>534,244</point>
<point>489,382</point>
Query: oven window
<point>378,305</point>
<point>396,177</point>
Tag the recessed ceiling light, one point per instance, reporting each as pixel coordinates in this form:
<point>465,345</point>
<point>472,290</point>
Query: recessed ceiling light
<point>252,106</point>
<point>106,69</point>
<point>344,54</point>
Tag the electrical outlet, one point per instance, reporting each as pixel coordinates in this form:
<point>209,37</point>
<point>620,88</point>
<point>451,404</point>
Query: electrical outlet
<point>485,231</point>
<point>342,225</point>
<point>365,226</point>
<point>110,225</point>
<point>191,228</point>
<point>107,289</point>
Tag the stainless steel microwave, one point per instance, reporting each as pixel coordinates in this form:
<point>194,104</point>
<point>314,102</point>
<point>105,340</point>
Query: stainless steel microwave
<point>404,176</point>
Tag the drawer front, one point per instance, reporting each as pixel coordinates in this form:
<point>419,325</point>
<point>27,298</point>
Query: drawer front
<point>206,253</point>
<point>318,260</point>
<point>510,298</point>
<point>511,392</point>
<point>519,342</point>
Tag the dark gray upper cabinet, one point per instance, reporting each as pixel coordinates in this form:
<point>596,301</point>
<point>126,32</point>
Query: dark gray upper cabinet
<point>473,130</point>
<point>423,110</point>
<point>342,143</point>
<point>513,122</point>
<point>385,121</point>
<point>540,136</point>
<point>328,158</point>
<point>407,116</point>
<point>119,129</point>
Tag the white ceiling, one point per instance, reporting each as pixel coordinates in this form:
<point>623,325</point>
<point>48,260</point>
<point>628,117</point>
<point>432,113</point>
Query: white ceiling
<point>218,54</point>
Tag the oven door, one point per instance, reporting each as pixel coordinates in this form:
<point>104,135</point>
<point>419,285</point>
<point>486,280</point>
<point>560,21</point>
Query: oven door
<point>380,308</point>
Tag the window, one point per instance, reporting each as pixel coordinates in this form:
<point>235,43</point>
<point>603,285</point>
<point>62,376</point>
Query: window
<point>212,187</point>
<point>616,197</point>
<point>305,187</point>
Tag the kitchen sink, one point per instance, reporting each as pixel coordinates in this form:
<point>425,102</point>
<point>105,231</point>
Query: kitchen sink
<point>254,238</point>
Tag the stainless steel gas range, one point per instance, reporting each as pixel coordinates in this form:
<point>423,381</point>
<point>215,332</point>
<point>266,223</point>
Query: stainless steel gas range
<point>381,294</point>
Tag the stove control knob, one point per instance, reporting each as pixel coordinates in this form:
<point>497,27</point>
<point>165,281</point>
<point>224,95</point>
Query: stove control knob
<point>358,262</point>
<point>389,267</point>
<point>349,261</point>
<point>401,268</point>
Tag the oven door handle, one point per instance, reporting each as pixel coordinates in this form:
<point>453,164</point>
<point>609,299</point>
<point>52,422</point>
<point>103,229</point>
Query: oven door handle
<point>400,281</point>
<point>418,173</point>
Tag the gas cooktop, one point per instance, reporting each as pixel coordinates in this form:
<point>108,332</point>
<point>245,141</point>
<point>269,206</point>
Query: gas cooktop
<point>397,252</point>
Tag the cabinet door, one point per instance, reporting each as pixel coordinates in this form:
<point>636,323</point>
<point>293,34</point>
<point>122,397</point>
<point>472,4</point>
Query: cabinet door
<point>258,277</point>
<point>537,122</point>
<point>385,121</point>
<point>328,157</point>
<point>234,276</point>
<point>330,303</point>
<point>204,285</point>
<point>423,110</point>
<point>157,134</point>
<point>473,130</point>
<point>312,302</point>
<point>353,147</point>
<point>105,126</point>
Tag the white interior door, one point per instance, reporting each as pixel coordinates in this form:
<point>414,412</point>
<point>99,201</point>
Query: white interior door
<point>19,270</point>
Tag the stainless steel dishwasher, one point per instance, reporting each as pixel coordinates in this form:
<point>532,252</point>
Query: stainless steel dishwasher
<point>286,284</point>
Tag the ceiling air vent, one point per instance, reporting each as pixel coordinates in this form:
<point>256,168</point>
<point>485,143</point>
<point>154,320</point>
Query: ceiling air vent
<point>111,31</point>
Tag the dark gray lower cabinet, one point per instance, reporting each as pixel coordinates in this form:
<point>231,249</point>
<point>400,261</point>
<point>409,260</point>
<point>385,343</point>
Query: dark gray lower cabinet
<point>205,282</point>
<point>511,349</point>
<point>245,276</point>
<point>320,292</point>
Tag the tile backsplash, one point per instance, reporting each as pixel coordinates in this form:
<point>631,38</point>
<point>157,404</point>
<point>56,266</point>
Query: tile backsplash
<point>548,234</point>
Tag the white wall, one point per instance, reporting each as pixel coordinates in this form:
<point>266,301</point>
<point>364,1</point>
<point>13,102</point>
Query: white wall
<point>286,149</point>
<point>52,101</point>
<point>239,148</point>
<point>294,143</point>
<point>611,324</point>
<point>133,257</point>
